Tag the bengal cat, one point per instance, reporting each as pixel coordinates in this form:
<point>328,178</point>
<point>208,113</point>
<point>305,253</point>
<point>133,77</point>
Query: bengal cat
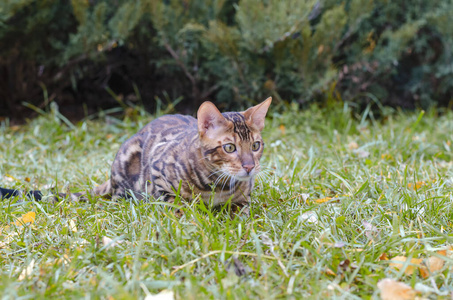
<point>214,157</point>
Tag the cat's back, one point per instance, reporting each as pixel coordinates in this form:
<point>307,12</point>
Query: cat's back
<point>171,125</point>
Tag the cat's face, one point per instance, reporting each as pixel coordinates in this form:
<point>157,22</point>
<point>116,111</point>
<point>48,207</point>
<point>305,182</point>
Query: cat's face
<point>231,142</point>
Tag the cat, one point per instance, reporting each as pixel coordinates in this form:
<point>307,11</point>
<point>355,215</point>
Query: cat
<point>214,157</point>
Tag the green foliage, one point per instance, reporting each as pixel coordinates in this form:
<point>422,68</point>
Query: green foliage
<point>233,51</point>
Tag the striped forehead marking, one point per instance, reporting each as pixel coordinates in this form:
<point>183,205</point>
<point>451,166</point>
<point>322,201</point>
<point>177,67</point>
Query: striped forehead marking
<point>240,127</point>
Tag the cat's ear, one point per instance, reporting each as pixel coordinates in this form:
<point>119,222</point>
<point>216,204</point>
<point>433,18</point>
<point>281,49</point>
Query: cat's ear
<point>257,114</point>
<point>209,118</point>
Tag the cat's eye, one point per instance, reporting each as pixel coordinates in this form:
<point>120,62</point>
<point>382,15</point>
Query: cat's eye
<point>256,146</point>
<point>229,148</point>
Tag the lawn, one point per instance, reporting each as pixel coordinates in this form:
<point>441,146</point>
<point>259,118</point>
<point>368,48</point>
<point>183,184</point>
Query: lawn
<point>345,198</point>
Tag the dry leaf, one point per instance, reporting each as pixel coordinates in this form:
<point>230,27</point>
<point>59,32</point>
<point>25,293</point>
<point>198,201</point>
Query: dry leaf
<point>322,200</point>
<point>353,145</point>
<point>362,153</point>
<point>26,218</point>
<point>27,271</point>
<point>63,260</point>
<point>398,262</point>
<point>370,229</point>
<point>395,290</point>
<point>383,256</point>
<point>386,156</point>
<point>164,295</point>
<point>416,186</point>
<point>109,243</point>
<point>433,264</point>
<point>343,266</point>
<point>330,272</point>
<point>310,217</point>
<point>10,178</point>
<point>72,225</point>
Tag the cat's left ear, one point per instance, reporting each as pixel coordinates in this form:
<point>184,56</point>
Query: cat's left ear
<point>257,114</point>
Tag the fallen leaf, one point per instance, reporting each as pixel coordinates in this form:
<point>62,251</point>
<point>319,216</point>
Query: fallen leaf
<point>10,178</point>
<point>164,295</point>
<point>64,260</point>
<point>362,153</point>
<point>339,244</point>
<point>394,290</point>
<point>383,256</point>
<point>304,197</point>
<point>416,186</point>
<point>343,266</point>
<point>26,218</point>
<point>108,242</point>
<point>27,271</point>
<point>353,145</point>
<point>322,200</point>
<point>370,229</point>
<point>386,156</point>
<point>433,264</point>
<point>398,262</point>
<point>310,217</point>
<point>330,272</point>
<point>72,225</point>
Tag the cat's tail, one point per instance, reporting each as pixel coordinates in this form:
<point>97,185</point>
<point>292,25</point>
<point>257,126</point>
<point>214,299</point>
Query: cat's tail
<point>103,190</point>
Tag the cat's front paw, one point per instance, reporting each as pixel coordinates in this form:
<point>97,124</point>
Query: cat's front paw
<point>240,209</point>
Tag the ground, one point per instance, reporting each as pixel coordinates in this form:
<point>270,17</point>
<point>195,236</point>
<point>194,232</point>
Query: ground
<point>344,198</point>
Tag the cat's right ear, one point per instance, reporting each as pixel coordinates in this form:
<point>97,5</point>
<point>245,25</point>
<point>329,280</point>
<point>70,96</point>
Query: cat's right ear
<point>209,118</point>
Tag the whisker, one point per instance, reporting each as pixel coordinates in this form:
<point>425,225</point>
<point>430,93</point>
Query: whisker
<point>229,177</point>
<point>216,172</point>
<point>220,178</point>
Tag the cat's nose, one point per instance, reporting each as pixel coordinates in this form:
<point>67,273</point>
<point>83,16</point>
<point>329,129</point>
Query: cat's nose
<point>248,168</point>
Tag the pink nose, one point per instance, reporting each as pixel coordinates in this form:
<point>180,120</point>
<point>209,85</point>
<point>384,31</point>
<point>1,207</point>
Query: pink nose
<point>248,168</point>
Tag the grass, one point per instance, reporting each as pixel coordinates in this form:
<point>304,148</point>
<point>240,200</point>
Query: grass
<point>344,194</point>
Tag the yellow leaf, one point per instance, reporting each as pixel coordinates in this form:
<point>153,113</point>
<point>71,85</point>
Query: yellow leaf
<point>26,218</point>
<point>395,290</point>
<point>400,260</point>
<point>322,200</point>
<point>383,256</point>
<point>386,156</point>
<point>282,129</point>
<point>416,186</point>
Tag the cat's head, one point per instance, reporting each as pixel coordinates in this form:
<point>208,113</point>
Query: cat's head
<point>231,142</point>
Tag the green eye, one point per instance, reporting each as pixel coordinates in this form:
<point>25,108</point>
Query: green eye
<point>256,146</point>
<point>229,148</point>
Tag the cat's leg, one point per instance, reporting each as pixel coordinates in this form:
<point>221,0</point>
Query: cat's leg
<point>242,207</point>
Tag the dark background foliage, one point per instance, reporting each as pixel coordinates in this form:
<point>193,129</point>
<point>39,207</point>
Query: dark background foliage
<point>88,55</point>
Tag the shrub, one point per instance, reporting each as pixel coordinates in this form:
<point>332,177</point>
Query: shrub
<point>233,51</point>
